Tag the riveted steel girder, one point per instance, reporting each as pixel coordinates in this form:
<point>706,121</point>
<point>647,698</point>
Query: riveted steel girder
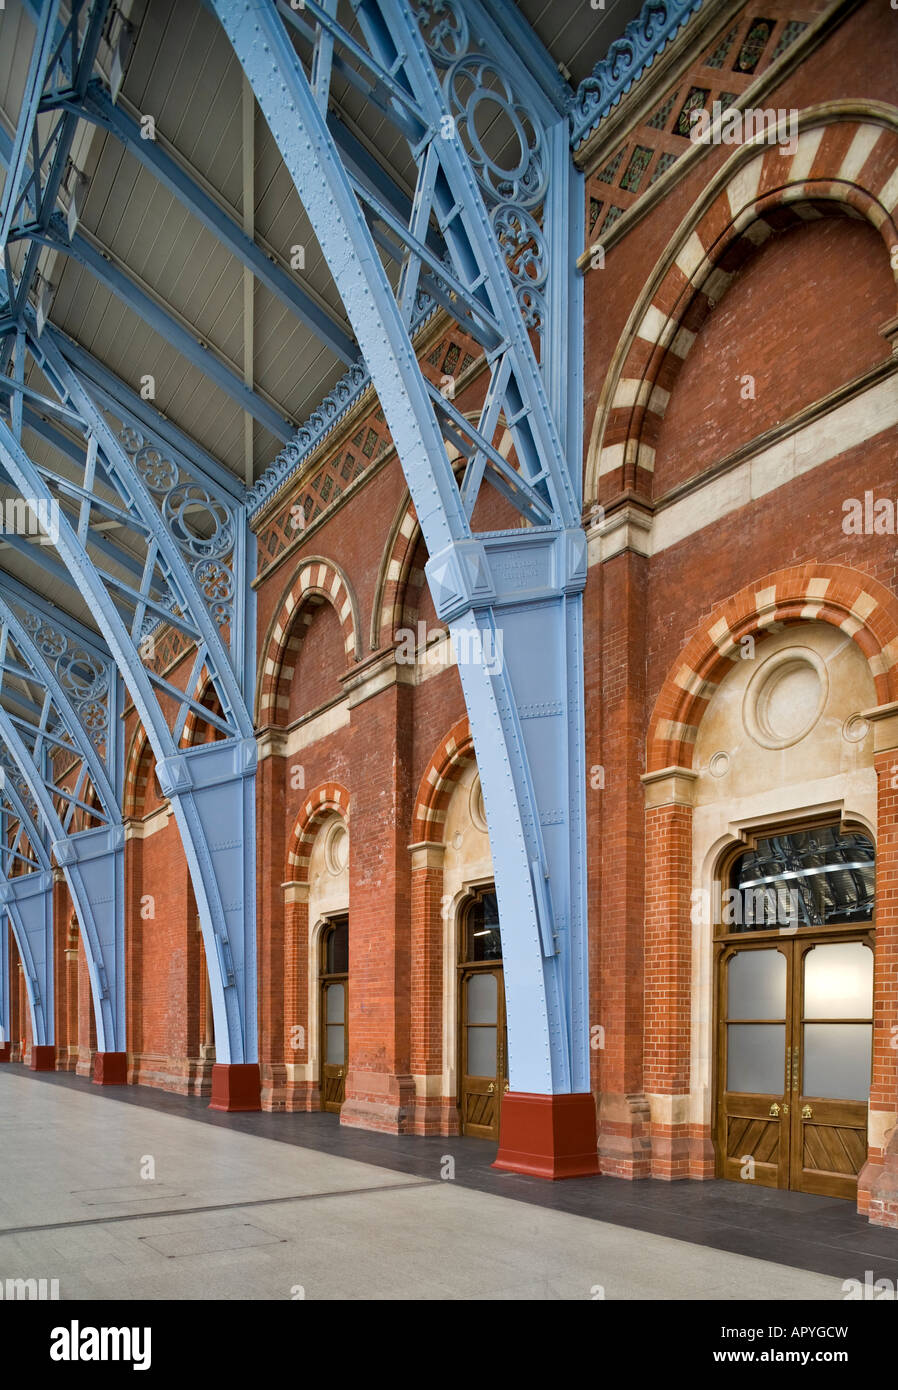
<point>203,596</point>
<point>4,982</point>
<point>28,900</point>
<point>512,600</point>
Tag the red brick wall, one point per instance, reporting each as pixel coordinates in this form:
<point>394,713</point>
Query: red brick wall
<point>321,661</point>
<point>802,317</point>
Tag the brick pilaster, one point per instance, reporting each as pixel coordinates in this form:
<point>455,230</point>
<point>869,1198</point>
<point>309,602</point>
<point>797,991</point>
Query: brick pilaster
<point>878,1180</point>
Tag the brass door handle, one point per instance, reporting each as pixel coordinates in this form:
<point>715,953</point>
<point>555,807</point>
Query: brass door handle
<point>506,1086</point>
<point>491,1086</point>
<point>774,1111</point>
<point>806,1112</point>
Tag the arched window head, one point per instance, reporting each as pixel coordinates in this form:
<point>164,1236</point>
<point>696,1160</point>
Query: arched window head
<point>822,876</point>
<point>481,940</point>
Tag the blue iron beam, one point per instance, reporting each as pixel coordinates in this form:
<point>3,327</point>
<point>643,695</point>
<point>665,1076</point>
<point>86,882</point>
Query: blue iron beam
<point>97,108</point>
<point>162,322</point>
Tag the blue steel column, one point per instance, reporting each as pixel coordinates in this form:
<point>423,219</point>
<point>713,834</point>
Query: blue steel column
<point>5,1040</point>
<point>29,901</point>
<point>527,717</point>
<point>216,829</point>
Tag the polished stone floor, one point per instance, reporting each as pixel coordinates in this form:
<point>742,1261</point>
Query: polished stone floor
<point>134,1193</point>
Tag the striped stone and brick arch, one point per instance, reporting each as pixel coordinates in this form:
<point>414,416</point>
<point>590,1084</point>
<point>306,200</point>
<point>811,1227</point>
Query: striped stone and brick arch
<point>439,781</point>
<point>196,730</point>
<point>397,579</point>
<point>862,607</point>
<point>318,581</point>
<point>400,583</point>
<point>841,167</point>
<point>327,799</point>
<point>137,771</point>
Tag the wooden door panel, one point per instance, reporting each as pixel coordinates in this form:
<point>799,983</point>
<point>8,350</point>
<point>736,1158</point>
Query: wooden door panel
<point>480,1108</point>
<point>751,1132</point>
<point>830,1147</point>
<point>334,1088</point>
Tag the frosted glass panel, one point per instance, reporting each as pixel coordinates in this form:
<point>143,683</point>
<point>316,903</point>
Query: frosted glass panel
<point>756,1058</point>
<point>838,981</point>
<point>336,1039</point>
<point>482,1051</point>
<point>756,983</point>
<point>837,1060</point>
<point>335,1003</point>
<point>482,999</point>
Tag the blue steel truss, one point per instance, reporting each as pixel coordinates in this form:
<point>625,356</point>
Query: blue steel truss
<point>185,538</point>
<point>491,245</point>
<point>176,561</point>
<point>59,694</point>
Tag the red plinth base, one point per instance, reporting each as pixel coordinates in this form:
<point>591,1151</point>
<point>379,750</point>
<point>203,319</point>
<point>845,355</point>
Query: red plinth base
<point>43,1058</point>
<point>110,1069</point>
<point>236,1086</point>
<point>548,1136</point>
<point>5,1052</point>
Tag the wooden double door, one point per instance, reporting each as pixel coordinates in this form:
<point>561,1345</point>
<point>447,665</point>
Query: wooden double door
<point>794,1052</point>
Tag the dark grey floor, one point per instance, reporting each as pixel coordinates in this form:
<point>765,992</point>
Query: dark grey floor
<point>791,1228</point>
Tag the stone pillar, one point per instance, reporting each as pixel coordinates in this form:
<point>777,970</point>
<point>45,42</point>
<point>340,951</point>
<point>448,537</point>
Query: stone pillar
<point>677,1151</point>
<point>878,1180</point>
<point>434,1112</point>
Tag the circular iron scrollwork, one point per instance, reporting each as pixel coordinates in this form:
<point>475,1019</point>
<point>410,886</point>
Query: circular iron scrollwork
<point>444,29</point>
<point>504,143</point>
<point>81,674</point>
<point>49,642</point>
<point>201,525</point>
<point>215,580</point>
<point>159,472</point>
<point>130,439</point>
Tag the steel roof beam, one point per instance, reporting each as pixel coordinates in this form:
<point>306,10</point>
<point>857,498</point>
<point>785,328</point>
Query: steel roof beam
<point>169,328</point>
<point>97,107</point>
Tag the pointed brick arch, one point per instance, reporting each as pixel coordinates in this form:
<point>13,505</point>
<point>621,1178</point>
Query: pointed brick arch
<point>439,781</point>
<point>846,163</point>
<point>395,576</point>
<point>318,581</point>
<point>392,582</point>
<point>137,767</point>
<point>858,604</point>
<point>327,799</point>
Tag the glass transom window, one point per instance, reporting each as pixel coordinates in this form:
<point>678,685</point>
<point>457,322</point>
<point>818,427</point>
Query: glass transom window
<point>802,878</point>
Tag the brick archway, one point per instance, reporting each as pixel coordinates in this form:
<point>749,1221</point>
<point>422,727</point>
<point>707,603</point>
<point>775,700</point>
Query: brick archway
<point>439,781</point>
<point>867,612</point>
<point>392,581</point>
<point>318,581</point>
<point>137,767</point>
<point>844,164</point>
<point>328,798</point>
<point>858,604</point>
